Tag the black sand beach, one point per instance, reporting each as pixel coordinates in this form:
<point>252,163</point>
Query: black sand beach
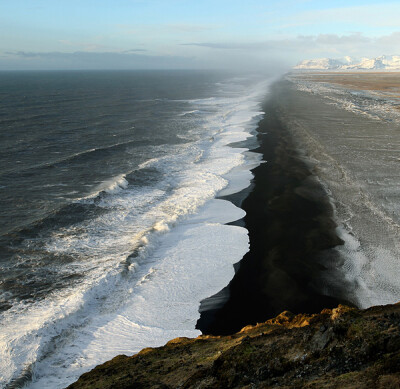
<point>297,260</point>
<point>289,219</point>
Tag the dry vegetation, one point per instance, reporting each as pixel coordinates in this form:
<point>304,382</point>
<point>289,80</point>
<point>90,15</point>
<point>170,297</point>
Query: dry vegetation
<point>387,84</point>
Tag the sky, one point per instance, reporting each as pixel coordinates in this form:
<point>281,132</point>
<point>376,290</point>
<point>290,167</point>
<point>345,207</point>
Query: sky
<point>192,34</point>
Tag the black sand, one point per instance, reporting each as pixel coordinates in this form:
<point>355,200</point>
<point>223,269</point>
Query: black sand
<point>289,219</point>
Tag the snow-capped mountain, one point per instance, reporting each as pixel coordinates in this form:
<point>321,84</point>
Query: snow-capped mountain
<point>320,63</point>
<point>384,62</point>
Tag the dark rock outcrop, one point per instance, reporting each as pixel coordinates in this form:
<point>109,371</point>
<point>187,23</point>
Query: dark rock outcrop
<point>339,348</point>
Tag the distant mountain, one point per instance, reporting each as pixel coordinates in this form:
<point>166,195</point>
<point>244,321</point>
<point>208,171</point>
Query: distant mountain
<point>384,62</point>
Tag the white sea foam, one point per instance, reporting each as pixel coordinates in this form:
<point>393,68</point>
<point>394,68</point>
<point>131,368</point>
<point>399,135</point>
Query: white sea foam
<point>189,112</point>
<point>119,183</point>
<point>110,186</point>
<point>182,253</point>
<point>190,263</point>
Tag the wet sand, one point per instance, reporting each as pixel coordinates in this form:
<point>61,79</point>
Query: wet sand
<point>289,219</point>
<point>329,156</point>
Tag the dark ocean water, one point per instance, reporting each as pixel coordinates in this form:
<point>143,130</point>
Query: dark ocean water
<point>92,165</point>
<point>67,136</point>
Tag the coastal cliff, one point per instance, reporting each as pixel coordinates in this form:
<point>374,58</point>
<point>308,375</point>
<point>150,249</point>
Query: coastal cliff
<point>339,348</point>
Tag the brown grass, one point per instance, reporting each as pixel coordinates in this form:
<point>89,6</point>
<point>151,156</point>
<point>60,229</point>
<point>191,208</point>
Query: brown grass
<point>379,81</point>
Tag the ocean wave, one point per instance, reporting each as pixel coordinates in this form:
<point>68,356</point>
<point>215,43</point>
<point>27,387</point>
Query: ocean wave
<point>189,112</point>
<point>110,186</point>
<point>148,253</point>
<point>92,152</point>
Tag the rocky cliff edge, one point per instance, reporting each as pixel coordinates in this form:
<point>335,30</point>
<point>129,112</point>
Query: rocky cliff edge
<point>340,348</point>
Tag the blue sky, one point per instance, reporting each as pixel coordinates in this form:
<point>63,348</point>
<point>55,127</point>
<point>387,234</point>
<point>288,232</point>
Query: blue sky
<point>56,34</point>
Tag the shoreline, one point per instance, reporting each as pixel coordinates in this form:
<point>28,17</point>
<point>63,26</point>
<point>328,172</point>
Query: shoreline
<point>160,245</point>
<point>289,219</point>
<point>219,299</point>
<point>312,170</point>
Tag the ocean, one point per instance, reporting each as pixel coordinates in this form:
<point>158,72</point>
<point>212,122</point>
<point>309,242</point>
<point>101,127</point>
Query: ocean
<point>111,230</point>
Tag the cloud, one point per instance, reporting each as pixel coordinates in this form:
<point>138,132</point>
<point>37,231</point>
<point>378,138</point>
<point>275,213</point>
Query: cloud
<point>93,60</point>
<point>248,55</point>
<point>333,39</point>
<point>133,51</point>
<point>227,45</point>
<point>26,60</point>
<point>172,29</point>
<point>316,45</point>
<point>85,46</point>
<point>392,39</point>
<point>191,28</point>
<point>298,43</point>
<point>251,46</point>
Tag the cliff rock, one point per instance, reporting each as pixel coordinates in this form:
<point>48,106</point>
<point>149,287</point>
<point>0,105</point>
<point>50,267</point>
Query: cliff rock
<point>339,348</point>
